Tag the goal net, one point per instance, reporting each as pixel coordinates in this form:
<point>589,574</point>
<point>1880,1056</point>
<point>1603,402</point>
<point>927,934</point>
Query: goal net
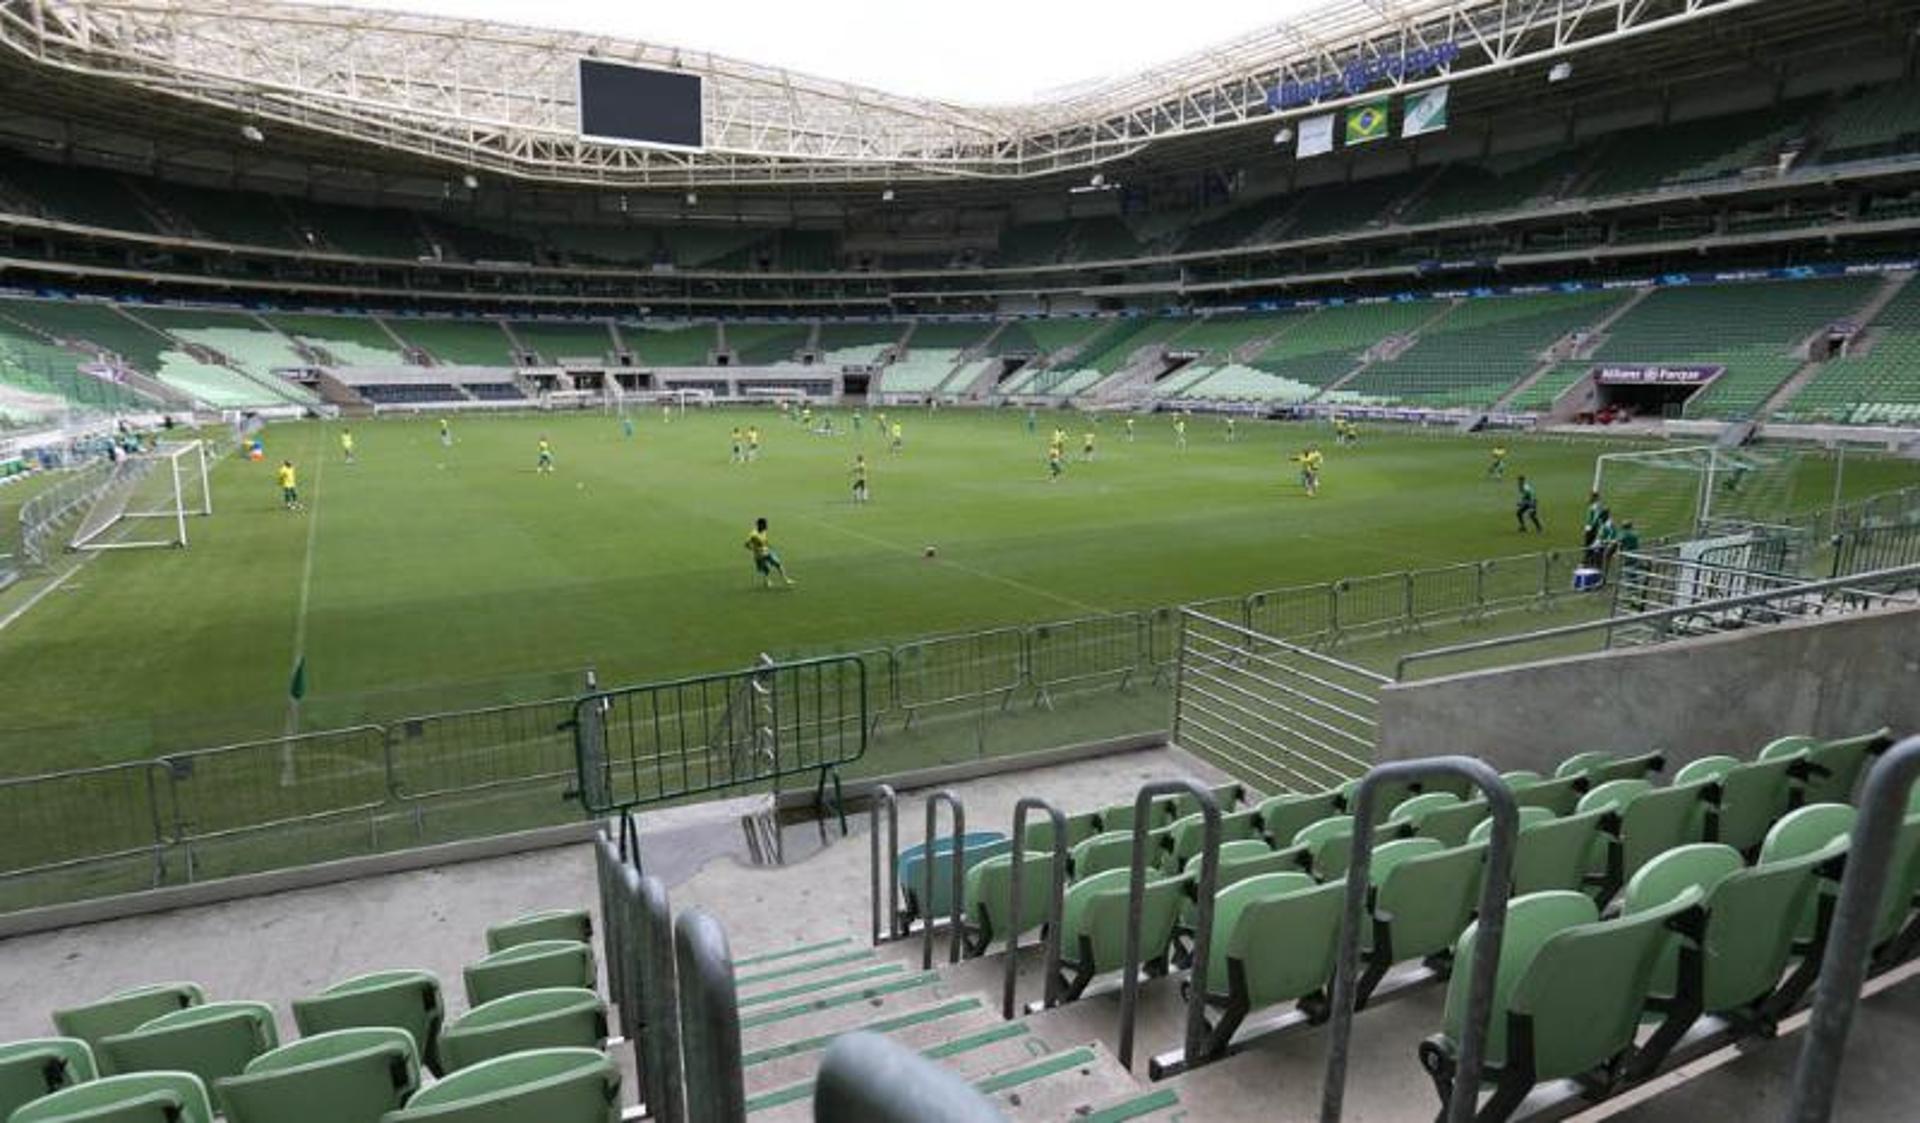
<point>1687,492</point>
<point>676,400</point>
<point>148,499</point>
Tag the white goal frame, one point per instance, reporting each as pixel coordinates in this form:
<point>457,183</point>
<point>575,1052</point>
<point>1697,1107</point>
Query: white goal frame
<point>680,397</point>
<point>1710,465</point>
<point>182,463</point>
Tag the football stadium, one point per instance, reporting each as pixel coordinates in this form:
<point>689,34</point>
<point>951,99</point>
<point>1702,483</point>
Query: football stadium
<point>1358,563</point>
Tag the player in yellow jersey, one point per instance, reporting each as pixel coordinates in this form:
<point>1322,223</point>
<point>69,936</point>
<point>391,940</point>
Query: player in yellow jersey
<point>545,463</point>
<point>446,434</point>
<point>765,561</point>
<point>346,444</point>
<point>1055,466</point>
<point>1231,434</point>
<point>1314,460</point>
<point>1180,432</point>
<point>1086,445</point>
<point>1497,467</point>
<point>289,485</point>
<point>1129,430</point>
<point>739,454</point>
<point>860,477</point>
<point>898,441</point>
<point>753,443</point>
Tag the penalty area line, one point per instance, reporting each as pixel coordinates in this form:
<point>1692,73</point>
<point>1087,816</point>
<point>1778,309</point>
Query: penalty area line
<point>985,575</point>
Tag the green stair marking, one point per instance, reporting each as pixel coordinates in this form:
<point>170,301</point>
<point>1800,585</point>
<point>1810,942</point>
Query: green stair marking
<point>884,1025</point>
<point>821,984</point>
<point>803,949</point>
<point>953,1048</point>
<point>1135,1108</point>
<point>803,968</point>
<point>768,1017</point>
<point>1040,1070</point>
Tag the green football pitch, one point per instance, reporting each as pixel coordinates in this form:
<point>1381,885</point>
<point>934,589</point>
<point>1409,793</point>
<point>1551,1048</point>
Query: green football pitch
<point>436,577</point>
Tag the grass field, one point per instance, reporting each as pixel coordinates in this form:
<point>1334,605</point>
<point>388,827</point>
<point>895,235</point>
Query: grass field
<point>440,577</point>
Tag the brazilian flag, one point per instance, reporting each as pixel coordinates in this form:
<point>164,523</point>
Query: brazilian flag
<point>1367,122</point>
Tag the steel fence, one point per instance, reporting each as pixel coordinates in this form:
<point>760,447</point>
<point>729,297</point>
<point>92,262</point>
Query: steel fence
<point>959,668</point>
<point>1085,651</point>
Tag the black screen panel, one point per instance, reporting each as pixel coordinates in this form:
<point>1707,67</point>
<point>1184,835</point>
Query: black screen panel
<point>642,106</point>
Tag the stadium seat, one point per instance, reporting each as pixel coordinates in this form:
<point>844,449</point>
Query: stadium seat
<point>408,1000</point>
<point>1567,998</point>
<point>1418,903</point>
<point>345,1076</point>
<point>1282,816</point>
<point>979,846</point>
<point>140,1097</point>
<point>1094,926</point>
<point>1655,821</point>
<point>211,1040</point>
<point>1833,767</point>
<point>1557,796</point>
<point>1603,767</point>
<point>558,1017</point>
<point>1450,823</point>
<point>534,966</point>
<point>123,1011</point>
<point>1751,797</point>
<point>990,897</point>
<point>559,1085</point>
<point>1079,828</point>
<point>1275,938</point>
<point>41,1067</point>
<point>1817,829</point>
<point>1114,850</point>
<point>550,924</point>
<point>1188,835</point>
<point>1551,853</point>
<point>1330,842</point>
<point>1414,808</point>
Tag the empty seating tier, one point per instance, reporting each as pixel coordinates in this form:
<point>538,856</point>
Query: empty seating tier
<point>1880,387</point>
<point>1481,348</point>
<point>350,341</point>
<point>476,343</point>
<point>553,341</point>
<point>672,345</point>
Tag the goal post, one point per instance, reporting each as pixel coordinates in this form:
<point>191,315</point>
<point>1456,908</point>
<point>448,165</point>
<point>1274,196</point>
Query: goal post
<point>148,500</point>
<point>1698,489</point>
<point>676,399</point>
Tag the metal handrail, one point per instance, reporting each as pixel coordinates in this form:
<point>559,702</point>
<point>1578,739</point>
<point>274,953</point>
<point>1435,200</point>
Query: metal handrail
<point>1293,648</point>
<point>1843,970</point>
<point>709,1021</point>
<point>1056,903</point>
<point>1495,887</point>
<point>1830,585</point>
<point>1196,1035</point>
<point>655,977</point>
<point>613,908</point>
<point>959,809</point>
<point>883,796</point>
<point>866,1078</point>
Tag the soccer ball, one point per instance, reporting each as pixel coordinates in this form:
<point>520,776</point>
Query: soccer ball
<point>929,552</point>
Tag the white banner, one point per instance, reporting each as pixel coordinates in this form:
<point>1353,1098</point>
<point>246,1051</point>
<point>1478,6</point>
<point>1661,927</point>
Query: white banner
<point>1316,135</point>
<point>1425,112</point>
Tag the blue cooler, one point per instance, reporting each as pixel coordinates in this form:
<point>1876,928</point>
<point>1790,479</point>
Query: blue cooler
<point>1586,579</point>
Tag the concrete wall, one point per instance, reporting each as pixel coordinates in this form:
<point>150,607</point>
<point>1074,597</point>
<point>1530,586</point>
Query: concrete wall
<point>1722,694</point>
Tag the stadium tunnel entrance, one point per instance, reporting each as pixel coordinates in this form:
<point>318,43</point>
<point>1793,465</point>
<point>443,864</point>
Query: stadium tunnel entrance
<point>1649,391</point>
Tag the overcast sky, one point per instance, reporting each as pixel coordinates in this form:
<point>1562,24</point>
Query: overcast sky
<point>977,51</point>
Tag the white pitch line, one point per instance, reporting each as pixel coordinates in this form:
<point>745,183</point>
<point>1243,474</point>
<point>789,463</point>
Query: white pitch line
<point>306,593</point>
<point>984,575</point>
<point>51,586</point>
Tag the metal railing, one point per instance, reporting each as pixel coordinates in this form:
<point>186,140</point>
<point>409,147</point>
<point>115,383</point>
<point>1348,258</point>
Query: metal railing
<point>714,1085</point>
<point>1056,904</point>
<point>1272,711</point>
<point>1195,1039</point>
<point>866,1078</point>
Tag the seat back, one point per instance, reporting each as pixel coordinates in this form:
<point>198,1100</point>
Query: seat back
<point>1806,830</point>
<point>1329,844</point>
<point>139,1097</point>
<point>1584,990</point>
<point>561,1017</point>
<point>1613,795</point>
<point>980,845</point>
<point>1416,807</point>
<point>1752,797</point>
<point>1283,930</point>
<point>1531,921</point>
<point>1451,824</point>
<point>1705,864</point>
<point>1705,768</point>
<point>1528,817</point>
<point>1660,820</point>
<point>409,1000</point>
<point>1102,918</point>
<point>1282,816</point>
<point>124,1010</point>
<point>548,1085</point>
<point>1190,833</point>
<point>1554,854</point>
<point>1636,766</point>
<point>1079,827</point>
<point>346,1076</point>
<point>1836,766</point>
<point>1557,795</point>
<point>1114,851</point>
<point>1750,931</point>
<point>990,893</point>
<point>549,924</point>
<point>41,1066</point>
<point>1427,900</point>
<point>210,1041</point>
<point>535,966</point>
<point>1250,858</point>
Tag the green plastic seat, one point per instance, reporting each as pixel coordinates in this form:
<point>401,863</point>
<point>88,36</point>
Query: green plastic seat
<point>1419,903</point>
<point>409,1000</point>
<point>1079,828</point>
<point>211,1040</point>
<point>1189,834</point>
<point>1603,767</point>
<point>124,1010</point>
<point>1282,816</point>
<point>1227,797</point>
<point>990,896</point>
<point>1750,914</point>
<point>1450,824</point>
<point>1613,795</point>
<point>1416,807</point>
<point>1659,820</point>
<point>139,1097</point>
<point>1275,939</point>
<point>1094,926</point>
<point>980,845</point>
<point>1527,817</point>
<point>548,1085</point>
<point>1250,858</point>
<point>1752,797</point>
<point>1390,796</point>
<point>1329,843</point>
<point>556,1018</point>
<point>1114,851</point>
<point>1550,853</point>
<point>1807,830</point>
<point>1706,768</point>
<point>1567,996</point>
<point>345,1076</point>
<point>40,1067</point>
<point>1834,767</point>
<point>548,924</point>
<point>535,966</point>
<point>1557,795</point>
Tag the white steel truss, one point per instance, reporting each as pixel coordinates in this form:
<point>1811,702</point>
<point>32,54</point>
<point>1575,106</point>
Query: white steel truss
<point>501,98</point>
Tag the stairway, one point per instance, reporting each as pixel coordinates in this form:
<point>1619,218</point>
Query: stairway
<point>1372,354</point>
<point>1807,371</point>
<point>1594,333</point>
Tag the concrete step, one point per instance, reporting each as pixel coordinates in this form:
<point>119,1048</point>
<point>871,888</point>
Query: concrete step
<point>839,1011</point>
<point>786,974</point>
<point>775,993</point>
<point>1155,1105</point>
<point>821,949</point>
<point>980,1054</point>
<point>1062,1085</point>
<point>922,1027</point>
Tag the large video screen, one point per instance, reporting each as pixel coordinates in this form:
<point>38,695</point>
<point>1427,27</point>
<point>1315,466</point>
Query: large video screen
<point>637,105</point>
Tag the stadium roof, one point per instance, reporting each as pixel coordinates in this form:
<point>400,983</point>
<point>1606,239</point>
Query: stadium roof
<point>503,98</point>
